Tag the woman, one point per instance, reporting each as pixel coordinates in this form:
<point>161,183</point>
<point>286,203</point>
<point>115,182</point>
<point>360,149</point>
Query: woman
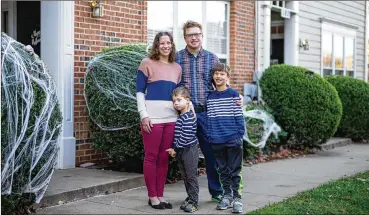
<point>157,76</point>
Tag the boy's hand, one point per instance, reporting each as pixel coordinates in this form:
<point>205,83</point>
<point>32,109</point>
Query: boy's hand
<point>171,152</point>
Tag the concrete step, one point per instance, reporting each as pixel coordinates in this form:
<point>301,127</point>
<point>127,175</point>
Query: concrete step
<point>81,183</point>
<point>336,142</point>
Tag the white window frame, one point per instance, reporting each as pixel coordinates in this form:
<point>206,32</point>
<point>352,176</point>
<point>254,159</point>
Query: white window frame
<point>338,29</point>
<point>177,28</point>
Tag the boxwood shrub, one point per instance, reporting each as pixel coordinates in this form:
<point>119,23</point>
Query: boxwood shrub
<point>303,103</point>
<point>33,160</point>
<point>354,95</point>
<point>109,75</point>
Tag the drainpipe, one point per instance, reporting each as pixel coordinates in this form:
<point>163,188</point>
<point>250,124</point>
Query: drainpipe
<point>256,38</point>
<point>366,41</point>
<point>267,21</point>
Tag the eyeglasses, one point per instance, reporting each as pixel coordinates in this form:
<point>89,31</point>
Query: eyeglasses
<point>196,35</point>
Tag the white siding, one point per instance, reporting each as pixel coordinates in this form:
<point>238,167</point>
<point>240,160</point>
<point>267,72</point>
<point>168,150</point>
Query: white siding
<point>310,12</point>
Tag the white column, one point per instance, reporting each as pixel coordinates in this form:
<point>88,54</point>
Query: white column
<point>267,21</point>
<point>366,41</point>
<point>57,52</point>
<point>291,35</point>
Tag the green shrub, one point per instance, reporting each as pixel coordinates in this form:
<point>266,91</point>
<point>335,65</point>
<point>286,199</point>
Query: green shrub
<point>304,104</point>
<point>110,92</point>
<point>354,95</point>
<point>26,86</point>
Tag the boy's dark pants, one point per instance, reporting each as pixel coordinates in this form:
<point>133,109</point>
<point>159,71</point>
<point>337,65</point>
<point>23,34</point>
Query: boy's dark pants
<point>229,158</point>
<point>188,159</point>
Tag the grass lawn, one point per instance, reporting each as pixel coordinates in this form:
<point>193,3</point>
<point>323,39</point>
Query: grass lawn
<point>349,195</point>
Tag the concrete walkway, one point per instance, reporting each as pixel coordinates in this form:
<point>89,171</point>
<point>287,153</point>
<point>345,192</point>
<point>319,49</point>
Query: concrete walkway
<point>264,184</point>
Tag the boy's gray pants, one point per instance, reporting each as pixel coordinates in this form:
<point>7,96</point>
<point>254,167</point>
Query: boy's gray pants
<point>188,159</point>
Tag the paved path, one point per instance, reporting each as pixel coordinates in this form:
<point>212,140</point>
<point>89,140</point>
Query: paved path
<point>264,183</point>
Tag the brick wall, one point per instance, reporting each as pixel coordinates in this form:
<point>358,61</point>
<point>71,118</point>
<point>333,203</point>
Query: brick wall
<point>123,22</point>
<point>242,42</point>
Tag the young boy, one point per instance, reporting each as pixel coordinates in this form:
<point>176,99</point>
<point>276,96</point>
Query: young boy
<point>185,146</point>
<point>226,127</point>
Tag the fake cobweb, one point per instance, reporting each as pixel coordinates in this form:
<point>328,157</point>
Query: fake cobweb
<point>30,121</point>
<point>110,89</point>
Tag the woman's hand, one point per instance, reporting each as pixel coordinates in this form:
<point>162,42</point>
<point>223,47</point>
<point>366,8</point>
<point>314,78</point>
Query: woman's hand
<point>240,102</point>
<point>146,124</point>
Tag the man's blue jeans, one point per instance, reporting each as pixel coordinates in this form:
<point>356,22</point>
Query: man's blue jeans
<point>212,174</point>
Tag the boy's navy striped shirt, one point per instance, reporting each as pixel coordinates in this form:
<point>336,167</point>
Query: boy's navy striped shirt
<point>185,131</point>
<point>225,118</point>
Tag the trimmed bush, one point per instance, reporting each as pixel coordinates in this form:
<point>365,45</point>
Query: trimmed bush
<point>110,93</point>
<point>30,125</point>
<point>303,103</point>
<point>354,95</point>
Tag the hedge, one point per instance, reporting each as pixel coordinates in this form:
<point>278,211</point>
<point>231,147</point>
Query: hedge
<point>110,93</point>
<point>26,86</point>
<point>354,95</point>
<point>303,103</point>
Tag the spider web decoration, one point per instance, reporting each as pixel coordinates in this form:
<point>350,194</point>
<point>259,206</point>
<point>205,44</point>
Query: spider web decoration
<point>30,121</point>
<point>259,126</point>
<point>110,88</point>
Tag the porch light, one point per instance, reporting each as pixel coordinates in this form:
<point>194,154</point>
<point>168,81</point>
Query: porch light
<point>304,44</point>
<point>97,9</point>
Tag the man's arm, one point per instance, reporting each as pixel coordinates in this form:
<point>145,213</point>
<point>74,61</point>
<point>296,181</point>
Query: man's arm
<point>240,120</point>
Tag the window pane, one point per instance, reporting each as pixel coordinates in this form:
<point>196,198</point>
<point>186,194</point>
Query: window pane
<point>349,53</point>
<point>216,23</point>
<point>338,72</point>
<point>157,20</point>
<point>350,73</point>
<point>187,10</point>
<point>327,72</point>
<point>327,50</point>
<point>338,52</point>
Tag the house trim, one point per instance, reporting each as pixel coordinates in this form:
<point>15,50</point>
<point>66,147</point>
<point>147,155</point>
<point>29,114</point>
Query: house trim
<point>366,41</point>
<point>343,24</point>
<point>57,52</point>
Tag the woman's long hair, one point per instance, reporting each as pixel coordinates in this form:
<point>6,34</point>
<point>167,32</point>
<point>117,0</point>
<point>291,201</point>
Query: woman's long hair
<point>154,52</point>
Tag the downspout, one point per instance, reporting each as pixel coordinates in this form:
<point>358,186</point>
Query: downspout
<point>256,38</point>
<point>366,42</point>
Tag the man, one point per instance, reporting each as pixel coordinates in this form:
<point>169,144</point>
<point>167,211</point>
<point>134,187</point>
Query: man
<point>196,66</point>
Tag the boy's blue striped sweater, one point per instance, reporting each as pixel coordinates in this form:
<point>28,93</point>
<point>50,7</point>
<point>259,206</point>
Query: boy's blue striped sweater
<point>185,131</point>
<point>225,118</point>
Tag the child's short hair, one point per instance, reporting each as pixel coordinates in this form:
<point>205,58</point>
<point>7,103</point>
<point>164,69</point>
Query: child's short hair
<point>181,91</point>
<point>221,67</point>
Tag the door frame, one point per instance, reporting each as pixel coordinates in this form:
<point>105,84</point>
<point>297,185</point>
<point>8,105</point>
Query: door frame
<point>11,8</point>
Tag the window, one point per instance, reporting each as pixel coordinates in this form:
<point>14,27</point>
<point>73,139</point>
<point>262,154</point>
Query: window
<point>213,15</point>
<point>338,50</point>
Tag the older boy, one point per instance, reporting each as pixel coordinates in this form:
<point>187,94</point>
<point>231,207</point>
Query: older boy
<point>226,127</point>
